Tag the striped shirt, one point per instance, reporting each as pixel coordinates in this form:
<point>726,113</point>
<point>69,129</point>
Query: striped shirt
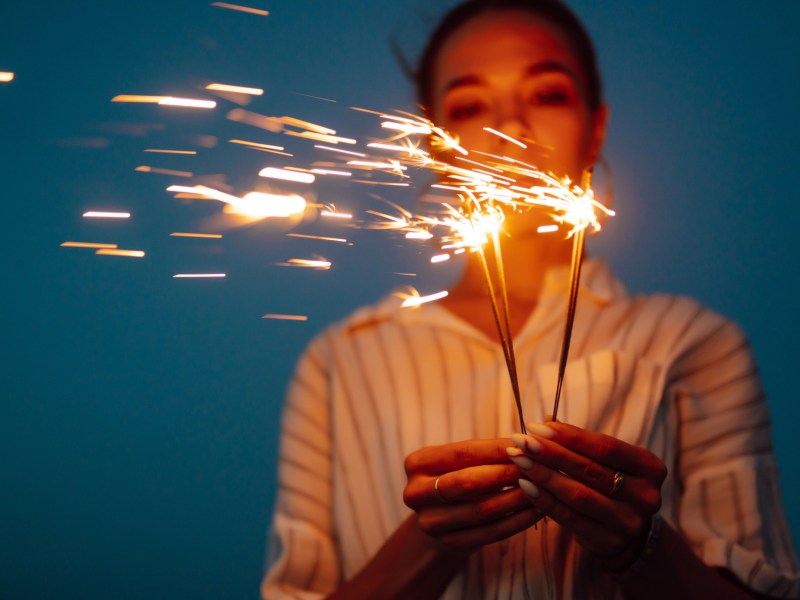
<point>661,372</point>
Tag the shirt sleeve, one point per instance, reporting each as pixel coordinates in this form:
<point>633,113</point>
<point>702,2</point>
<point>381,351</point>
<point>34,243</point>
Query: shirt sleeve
<point>730,510</point>
<point>302,561</point>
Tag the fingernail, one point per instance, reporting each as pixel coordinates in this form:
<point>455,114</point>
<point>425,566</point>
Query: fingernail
<point>523,462</point>
<point>541,430</point>
<point>526,443</point>
<point>514,451</point>
<point>529,488</point>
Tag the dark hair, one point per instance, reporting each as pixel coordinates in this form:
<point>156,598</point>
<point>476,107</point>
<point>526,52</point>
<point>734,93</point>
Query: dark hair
<point>554,11</point>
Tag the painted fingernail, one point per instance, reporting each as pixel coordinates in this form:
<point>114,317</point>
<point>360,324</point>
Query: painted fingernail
<point>541,430</point>
<point>529,488</point>
<point>523,462</point>
<point>514,451</point>
<point>526,443</point>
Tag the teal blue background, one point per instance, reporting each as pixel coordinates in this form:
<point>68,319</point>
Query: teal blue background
<point>139,414</point>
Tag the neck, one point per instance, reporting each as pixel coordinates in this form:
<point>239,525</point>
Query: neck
<point>525,259</point>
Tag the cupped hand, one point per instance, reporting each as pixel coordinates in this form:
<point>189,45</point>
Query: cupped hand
<point>466,494</point>
<point>603,490</point>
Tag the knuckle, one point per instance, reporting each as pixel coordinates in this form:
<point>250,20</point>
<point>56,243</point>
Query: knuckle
<point>651,500</point>
<point>464,455</point>
<point>592,473</point>
<point>632,525</point>
<point>426,522</point>
<point>411,462</point>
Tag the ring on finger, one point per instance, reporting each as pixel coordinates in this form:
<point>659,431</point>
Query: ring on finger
<point>438,493</point>
<point>619,479</point>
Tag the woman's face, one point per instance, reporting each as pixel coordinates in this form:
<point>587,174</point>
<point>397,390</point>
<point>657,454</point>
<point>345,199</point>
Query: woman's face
<point>515,72</point>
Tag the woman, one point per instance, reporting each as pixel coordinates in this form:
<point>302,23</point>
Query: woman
<point>398,476</point>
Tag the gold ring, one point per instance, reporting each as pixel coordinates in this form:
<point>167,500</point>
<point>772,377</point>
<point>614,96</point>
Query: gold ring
<point>619,479</point>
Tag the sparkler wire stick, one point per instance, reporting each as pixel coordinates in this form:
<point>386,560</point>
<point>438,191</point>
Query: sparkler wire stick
<point>505,342</point>
<point>512,360</point>
<point>574,282</point>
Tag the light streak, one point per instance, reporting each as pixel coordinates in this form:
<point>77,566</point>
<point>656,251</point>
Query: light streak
<point>285,175</point>
<point>215,236</point>
<point>440,258</point>
<point>335,215</point>
<point>187,102</point>
<point>240,115</point>
<point>285,317</point>
<point>321,137</point>
<point>245,9</point>
<point>505,137</point>
<point>318,264</point>
<point>6,76</point>
<point>404,274</point>
<point>161,151</point>
<point>261,205</point>
<point>415,299</point>
<point>419,235</point>
<point>316,237</point>
<point>234,89</point>
<point>199,276</point>
<point>98,214</point>
<point>88,245</point>
<point>547,229</point>
<point>300,124</point>
<point>138,99</point>
<point>340,151</point>
<point>160,171</point>
<point>118,252</point>
<point>257,145</point>
<point>330,172</point>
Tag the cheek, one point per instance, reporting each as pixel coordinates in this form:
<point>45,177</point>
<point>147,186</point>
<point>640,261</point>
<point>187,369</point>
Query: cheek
<point>562,138</point>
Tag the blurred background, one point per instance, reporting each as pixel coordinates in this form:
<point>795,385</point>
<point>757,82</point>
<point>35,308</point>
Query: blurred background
<point>139,420</point>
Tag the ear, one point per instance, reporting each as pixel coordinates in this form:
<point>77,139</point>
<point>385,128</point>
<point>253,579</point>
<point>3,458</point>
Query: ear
<point>598,133</point>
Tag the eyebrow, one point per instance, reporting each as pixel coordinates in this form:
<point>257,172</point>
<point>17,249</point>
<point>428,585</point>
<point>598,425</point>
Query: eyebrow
<point>532,70</point>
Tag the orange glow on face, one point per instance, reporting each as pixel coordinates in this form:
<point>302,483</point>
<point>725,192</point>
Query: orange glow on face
<point>245,9</point>
<point>117,252</point>
<point>98,214</point>
<point>234,89</point>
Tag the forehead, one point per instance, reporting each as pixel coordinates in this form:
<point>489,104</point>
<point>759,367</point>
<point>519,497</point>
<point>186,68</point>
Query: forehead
<point>502,41</point>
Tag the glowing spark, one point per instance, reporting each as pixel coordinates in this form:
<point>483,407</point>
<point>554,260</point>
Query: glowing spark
<point>340,151</point>
<point>199,276</point>
<point>377,165</point>
<point>215,236</point>
<point>416,299</point>
<point>285,317</point>
<point>405,274</point>
<point>321,137</point>
<point>316,237</point>
<point>505,137</point>
<point>314,97</point>
<point>245,9</point>
<point>419,235</point>
<point>440,258</point>
<point>6,76</point>
<point>160,151</point>
<point>260,205</point>
<point>247,117</point>
<point>329,172</point>
<point>235,89</point>
<point>117,252</point>
<point>285,175</point>
<point>187,102</point>
<point>335,215</point>
<point>547,229</point>
<point>160,171</point>
<point>321,265</point>
<point>300,124</point>
<point>95,214</point>
<point>257,145</point>
<point>138,99</point>
<point>88,245</point>
<point>407,129</point>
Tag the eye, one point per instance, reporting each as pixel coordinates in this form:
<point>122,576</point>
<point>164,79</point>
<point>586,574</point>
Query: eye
<point>463,111</point>
<point>551,97</point>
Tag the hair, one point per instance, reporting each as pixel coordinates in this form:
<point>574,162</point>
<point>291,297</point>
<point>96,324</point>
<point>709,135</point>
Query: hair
<point>554,11</point>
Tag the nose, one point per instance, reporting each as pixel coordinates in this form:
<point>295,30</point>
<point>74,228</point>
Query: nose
<point>511,121</point>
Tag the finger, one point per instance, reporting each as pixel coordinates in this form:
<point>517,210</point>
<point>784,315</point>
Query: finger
<point>459,486</point>
<point>437,520</point>
<point>581,468</point>
<point>493,532</point>
<point>595,536</point>
<point>604,449</point>
<point>435,460</point>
